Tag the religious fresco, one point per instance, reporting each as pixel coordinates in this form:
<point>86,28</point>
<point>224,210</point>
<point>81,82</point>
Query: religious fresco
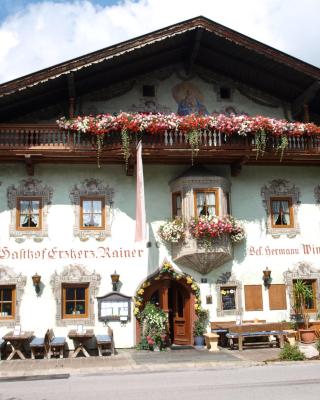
<point>189,98</point>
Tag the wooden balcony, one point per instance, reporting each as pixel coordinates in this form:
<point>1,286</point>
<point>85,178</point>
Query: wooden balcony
<point>47,143</point>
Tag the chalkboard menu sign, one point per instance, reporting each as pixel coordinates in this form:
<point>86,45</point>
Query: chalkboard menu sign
<point>228,298</point>
<point>114,307</point>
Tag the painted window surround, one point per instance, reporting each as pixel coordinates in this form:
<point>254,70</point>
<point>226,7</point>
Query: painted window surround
<point>189,185</point>
<point>281,188</point>
<point>304,271</point>
<point>9,278</point>
<point>227,280</point>
<point>29,188</point>
<point>75,274</point>
<point>91,188</point>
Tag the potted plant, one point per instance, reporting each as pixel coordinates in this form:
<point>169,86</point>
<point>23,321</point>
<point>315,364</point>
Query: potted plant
<point>200,327</point>
<point>302,294</point>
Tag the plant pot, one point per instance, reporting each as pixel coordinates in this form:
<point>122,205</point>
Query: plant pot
<point>307,335</point>
<point>199,341</point>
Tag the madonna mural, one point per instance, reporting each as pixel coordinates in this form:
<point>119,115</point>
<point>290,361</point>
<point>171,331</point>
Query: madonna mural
<point>189,98</point>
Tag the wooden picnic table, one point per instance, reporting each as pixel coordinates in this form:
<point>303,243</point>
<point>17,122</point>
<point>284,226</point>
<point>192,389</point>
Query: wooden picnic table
<point>17,343</point>
<point>81,338</point>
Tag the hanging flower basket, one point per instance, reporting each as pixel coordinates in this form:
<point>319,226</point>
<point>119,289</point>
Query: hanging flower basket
<point>209,229</point>
<point>173,231</point>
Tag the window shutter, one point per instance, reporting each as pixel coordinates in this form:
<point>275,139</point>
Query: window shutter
<point>253,297</point>
<point>277,297</point>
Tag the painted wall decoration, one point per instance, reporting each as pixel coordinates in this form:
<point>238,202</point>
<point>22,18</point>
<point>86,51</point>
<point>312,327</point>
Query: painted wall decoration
<point>189,98</point>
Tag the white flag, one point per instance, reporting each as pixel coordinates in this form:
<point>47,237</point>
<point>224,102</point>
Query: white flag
<point>140,203</point>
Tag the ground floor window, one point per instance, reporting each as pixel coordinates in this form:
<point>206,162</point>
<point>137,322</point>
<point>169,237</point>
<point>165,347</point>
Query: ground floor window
<point>310,301</point>
<point>75,301</point>
<point>228,298</point>
<point>7,302</point>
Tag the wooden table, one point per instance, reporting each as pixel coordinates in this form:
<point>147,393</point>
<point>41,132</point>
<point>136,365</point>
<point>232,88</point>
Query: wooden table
<point>17,342</point>
<point>81,339</point>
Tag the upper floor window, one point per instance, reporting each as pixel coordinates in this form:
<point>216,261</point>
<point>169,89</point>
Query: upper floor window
<point>29,213</point>
<point>7,302</point>
<point>92,213</point>
<point>281,212</point>
<point>281,200</point>
<point>75,301</point>
<point>176,204</point>
<point>206,202</point>
<point>93,202</point>
<point>29,204</point>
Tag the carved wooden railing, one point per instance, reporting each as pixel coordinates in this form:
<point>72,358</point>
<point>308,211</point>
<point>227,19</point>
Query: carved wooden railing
<point>49,136</point>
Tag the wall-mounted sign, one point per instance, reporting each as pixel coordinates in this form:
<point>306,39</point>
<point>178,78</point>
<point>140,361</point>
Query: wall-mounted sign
<point>58,253</point>
<point>305,249</point>
<point>114,307</point>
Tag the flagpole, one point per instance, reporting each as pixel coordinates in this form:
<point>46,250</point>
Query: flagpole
<point>140,232</point>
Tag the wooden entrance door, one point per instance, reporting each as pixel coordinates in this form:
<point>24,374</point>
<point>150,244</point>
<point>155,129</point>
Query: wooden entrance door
<point>174,298</point>
<point>179,319</point>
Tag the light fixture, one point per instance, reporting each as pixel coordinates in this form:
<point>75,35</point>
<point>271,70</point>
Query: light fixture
<point>36,279</point>
<point>115,280</point>
<point>267,278</point>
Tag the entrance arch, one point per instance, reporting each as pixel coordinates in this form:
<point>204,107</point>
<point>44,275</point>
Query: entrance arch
<point>177,295</point>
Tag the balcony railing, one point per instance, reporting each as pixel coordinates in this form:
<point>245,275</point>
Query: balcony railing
<point>49,137</point>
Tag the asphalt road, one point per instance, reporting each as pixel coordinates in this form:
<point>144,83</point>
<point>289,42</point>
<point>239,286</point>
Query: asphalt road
<point>294,381</point>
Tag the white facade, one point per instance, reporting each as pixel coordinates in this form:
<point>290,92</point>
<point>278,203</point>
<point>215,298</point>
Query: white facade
<point>135,261</point>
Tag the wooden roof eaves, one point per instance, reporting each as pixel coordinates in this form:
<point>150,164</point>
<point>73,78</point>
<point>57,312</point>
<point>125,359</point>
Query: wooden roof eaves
<point>150,38</point>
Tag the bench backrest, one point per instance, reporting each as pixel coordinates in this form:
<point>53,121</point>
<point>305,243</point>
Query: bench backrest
<point>230,324</point>
<point>272,326</point>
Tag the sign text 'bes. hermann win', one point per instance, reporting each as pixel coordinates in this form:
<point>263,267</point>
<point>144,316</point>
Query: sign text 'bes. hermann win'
<point>302,249</point>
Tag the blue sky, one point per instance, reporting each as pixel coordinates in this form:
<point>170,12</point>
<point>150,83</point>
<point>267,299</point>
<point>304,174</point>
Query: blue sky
<point>36,34</point>
<point>9,7</point>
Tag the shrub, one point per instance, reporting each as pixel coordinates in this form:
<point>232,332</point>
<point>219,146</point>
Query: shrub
<point>291,353</point>
<point>154,325</point>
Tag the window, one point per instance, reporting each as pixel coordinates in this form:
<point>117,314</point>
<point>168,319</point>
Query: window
<point>206,202</point>
<point>281,200</point>
<point>29,203</point>
<point>225,93</point>
<point>148,91</point>
<point>176,204</point>
<point>92,214</point>
<point>29,213</point>
<point>7,302</point>
<point>93,202</point>
<point>75,301</point>
<point>310,303</point>
<point>228,298</point>
<point>281,212</point>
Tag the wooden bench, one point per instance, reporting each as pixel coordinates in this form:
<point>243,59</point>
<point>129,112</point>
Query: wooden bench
<point>56,345</point>
<point>40,346</point>
<point>240,333</point>
<point>105,343</point>
<point>222,328</point>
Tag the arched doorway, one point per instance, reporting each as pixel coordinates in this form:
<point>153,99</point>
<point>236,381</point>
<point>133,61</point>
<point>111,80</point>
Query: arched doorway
<point>174,295</point>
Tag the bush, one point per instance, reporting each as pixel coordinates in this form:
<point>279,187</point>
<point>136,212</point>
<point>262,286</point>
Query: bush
<point>291,353</point>
<point>154,324</point>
